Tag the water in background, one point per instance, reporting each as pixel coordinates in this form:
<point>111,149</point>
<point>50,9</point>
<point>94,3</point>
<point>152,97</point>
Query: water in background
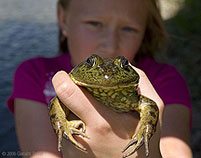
<point>27,30</point>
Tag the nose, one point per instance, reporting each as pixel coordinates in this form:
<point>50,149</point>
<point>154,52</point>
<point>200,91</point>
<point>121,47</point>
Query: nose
<point>109,43</point>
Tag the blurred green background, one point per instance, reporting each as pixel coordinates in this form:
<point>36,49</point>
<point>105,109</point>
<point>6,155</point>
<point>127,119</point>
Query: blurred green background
<point>184,52</point>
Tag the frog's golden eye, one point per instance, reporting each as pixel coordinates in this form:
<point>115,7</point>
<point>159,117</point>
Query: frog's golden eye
<point>125,64</point>
<point>90,61</point>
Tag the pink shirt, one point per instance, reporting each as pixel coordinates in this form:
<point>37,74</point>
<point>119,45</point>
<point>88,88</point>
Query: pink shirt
<point>32,80</point>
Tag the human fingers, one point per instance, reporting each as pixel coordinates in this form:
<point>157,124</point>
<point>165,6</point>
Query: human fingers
<point>72,96</point>
<point>146,88</point>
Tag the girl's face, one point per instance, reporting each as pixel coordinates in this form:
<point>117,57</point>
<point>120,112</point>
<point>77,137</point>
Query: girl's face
<point>108,28</point>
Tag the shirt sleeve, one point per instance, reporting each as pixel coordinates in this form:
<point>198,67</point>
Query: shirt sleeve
<point>172,87</point>
<point>26,84</point>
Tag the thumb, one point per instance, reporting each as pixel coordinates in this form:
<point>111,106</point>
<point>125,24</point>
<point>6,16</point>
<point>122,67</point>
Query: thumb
<point>71,95</point>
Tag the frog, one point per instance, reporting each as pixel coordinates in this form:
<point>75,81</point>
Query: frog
<point>114,83</point>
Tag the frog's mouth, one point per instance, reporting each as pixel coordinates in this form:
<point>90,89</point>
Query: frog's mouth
<point>89,85</point>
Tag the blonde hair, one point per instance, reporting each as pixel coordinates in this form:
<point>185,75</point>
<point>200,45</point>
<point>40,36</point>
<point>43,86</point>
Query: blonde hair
<point>155,37</point>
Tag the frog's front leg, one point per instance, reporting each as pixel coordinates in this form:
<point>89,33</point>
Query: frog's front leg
<point>62,127</point>
<point>149,114</point>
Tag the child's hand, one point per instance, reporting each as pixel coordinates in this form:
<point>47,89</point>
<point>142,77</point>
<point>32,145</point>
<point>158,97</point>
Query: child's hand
<point>109,131</point>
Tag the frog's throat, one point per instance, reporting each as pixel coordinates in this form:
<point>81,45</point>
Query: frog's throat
<point>80,83</point>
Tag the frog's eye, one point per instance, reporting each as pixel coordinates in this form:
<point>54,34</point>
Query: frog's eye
<point>125,64</point>
<point>90,61</point>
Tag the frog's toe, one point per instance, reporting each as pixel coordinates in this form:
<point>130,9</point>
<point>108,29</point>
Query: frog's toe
<point>59,140</point>
<point>77,132</point>
<point>78,127</point>
<point>78,124</point>
<point>137,143</point>
<point>140,138</point>
<point>74,142</point>
<point>75,127</point>
<point>131,143</point>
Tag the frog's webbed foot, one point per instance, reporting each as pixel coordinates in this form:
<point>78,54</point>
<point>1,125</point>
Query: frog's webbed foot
<point>149,117</point>
<point>75,127</point>
<point>68,129</point>
<point>58,113</point>
<point>140,138</point>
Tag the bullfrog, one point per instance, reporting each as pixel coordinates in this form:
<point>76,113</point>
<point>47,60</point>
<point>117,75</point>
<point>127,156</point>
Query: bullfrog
<point>114,83</point>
